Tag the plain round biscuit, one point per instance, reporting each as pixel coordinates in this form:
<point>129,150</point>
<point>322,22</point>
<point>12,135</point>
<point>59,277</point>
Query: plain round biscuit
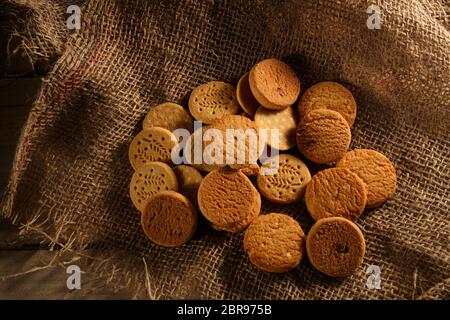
<point>245,97</point>
<point>170,116</point>
<point>289,182</point>
<point>275,242</point>
<point>212,101</point>
<point>227,197</point>
<point>323,136</point>
<point>336,192</point>
<point>286,121</point>
<point>189,180</point>
<point>375,170</point>
<point>169,219</point>
<point>329,95</point>
<point>153,144</point>
<point>274,84</point>
<point>149,179</point>
<point>335,246</point>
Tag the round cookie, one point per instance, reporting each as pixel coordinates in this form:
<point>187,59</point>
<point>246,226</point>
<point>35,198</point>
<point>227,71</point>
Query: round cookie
<point>149,179</point>
<point>245,97</point>
<point>153,144</point>
<point>375,170</point>
<point>286,121</point>
<point>227,197</point>
<point>242,225</point>
<point>275,242</point>
<point>329,95</point>
<point>189,180</point>
<point>336,192</point>
<point>169,219</point>
<point>212,101</point>
<point>289,182</point>
<point>170,116</point>
<point>323,136</point>
<point>274,84</point>
<point>335,246</point>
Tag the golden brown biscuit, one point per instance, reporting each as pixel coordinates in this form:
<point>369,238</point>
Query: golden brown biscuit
<point>289,182</point>
<point>149,179</point>
<point>285,121</point>
<point>189,180</point>
<point>153,144</point>
<point>375,170</point>
<point>170,116</point>
<point>323,136</point>
<point>335,246</point>
<point>212,101</point>
<point>245,97</point>
<point>274,84</point>
<point>336,192</point>
<point>275,242</point>
<point>169,219</point>
<point>242,225</point>
<point>227,197</point>
<point>329,95</point>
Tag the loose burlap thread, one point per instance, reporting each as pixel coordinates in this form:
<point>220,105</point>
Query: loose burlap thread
<point>69,182</point>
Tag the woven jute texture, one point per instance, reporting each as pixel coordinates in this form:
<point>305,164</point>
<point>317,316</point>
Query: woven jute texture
<point>69,183</point>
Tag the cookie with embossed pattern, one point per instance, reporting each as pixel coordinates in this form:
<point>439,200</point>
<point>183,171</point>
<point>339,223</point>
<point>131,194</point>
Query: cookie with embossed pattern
<point>275,242</point>
<point>153,144</point>
<point>288,182</point>
<point>212,101</point>
<point>149,179</point>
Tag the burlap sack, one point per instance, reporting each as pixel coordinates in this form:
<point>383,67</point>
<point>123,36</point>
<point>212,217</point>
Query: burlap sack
<point>70,177</point>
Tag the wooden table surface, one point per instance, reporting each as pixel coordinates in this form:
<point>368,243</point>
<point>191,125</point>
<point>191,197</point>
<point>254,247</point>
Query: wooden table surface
<point>19,85</point>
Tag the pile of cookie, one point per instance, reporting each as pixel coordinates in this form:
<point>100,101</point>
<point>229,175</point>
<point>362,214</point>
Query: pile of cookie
<point>228,196</point>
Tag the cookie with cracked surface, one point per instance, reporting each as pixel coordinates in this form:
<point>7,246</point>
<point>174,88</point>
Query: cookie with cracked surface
<point>329,95</point>
<point>285,121</point>
<point>274,84</point>
<point>335,246</point>
<point>227,197</point>
<point>149,179</point>
<point>323,136</point>
<point>375,170</point>
<point>242,225</point>
<point>153,144</point>
<point>288,183</point>
<point>170,116</point>
<point>189,180</point>
<point>275,242</point>
<point>212,101</point>
<point>169,219</point>
<point>245,97</point>
<point>336,192</point>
